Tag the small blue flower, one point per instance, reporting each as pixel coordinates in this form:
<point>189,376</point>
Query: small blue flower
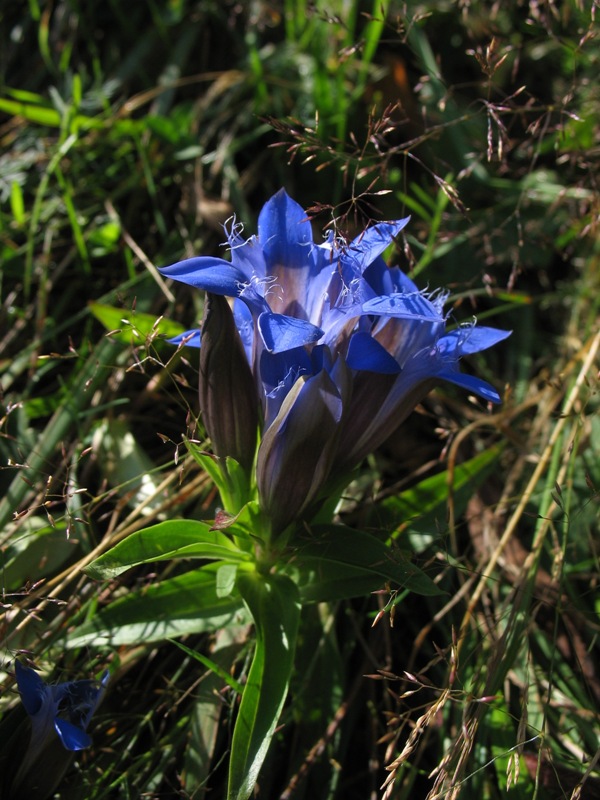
<point>341,346</point>
<point>42,748</point>
<point>63,710</point>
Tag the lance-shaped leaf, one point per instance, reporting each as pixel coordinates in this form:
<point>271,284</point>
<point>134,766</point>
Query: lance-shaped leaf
<point>185,604</point>
<point>176,538</point>
<point>275,607</point>
<point>228,398</point>
<point>333,552</point>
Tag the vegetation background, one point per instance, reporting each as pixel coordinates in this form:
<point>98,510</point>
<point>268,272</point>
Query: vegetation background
<point>129,133</point>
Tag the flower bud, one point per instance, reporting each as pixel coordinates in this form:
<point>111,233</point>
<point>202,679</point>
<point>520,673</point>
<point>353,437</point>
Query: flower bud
<point>228,399</point>
<point>297,450</point>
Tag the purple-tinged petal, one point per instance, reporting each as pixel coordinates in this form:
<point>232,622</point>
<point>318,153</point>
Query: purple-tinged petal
<point>249,258</point>
<point>370,417</point>
<point>408,340</point>
<point>404,306</point>
<point>340,320</point>
<point>276,367</point>
<point>72,737</point>
<point>299,271</point>
<point>278,373</point>
<point>188,338</point>
<point>280,332</point>
<point>284,231</point>
<point>469,339</point>
<point>31,688</point>
<point>365,353</point>
<point>365,248</point>
<point>305,290</point>
<point>297,450</point>
<point>388,280</point>
<point>471,383</point>
<point>245,326</point>
<point>212,274</point>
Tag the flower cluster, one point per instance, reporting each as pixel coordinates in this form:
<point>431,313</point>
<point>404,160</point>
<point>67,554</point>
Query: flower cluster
<point>333,350</point>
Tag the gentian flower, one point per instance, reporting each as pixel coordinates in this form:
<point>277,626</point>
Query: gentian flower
<point>59,717</point>
<point>341,347</point>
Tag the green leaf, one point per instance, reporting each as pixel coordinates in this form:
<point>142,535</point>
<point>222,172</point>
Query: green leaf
<point>185,604</point>
<point>275,607</point>
<point>239,480</point>
<point>40,114</point>
<point>498,726</point>
<point>104,239</point>
<point>212,666</point>
<point>44,115</point>
<point>328,581</point>
<point>428,500</point>
<point>167,540</point>
<point>210,464</point>
<point>133,327</point>
<point>17,204</point>
<point>36,550</point>
<point>337,554</point>
<point>231,480</point>
<point>165,128</point>
<point>226,576</point>
<point>125,464</point>
<point>206,718</point>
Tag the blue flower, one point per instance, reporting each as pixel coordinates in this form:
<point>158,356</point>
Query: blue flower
<point>42,748</point>
<point>341,346</point>
<point>64,710</point>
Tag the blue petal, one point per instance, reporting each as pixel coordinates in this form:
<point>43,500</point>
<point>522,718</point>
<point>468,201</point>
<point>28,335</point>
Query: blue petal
<point>72,737</point>
<point>471,383</point>
<point>278,373</point>
<point>248,257</point>
<point>365,353</point>
<point>388,280</point>
<point>370,244</point>
<point>212,274</point>
<point>404,306</point>
<point>280,333</point>
<point>321,359</point>
<point>189,338</point>
<point>77,700</point>
<point>284,232</point>
<point>297,449</point>
<point>31,688</point>
<point>275,368</point>
<point>245,326</point>
<point>470,339</point>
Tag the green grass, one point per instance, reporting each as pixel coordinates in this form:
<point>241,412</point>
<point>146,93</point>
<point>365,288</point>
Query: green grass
<point>129,135</point>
